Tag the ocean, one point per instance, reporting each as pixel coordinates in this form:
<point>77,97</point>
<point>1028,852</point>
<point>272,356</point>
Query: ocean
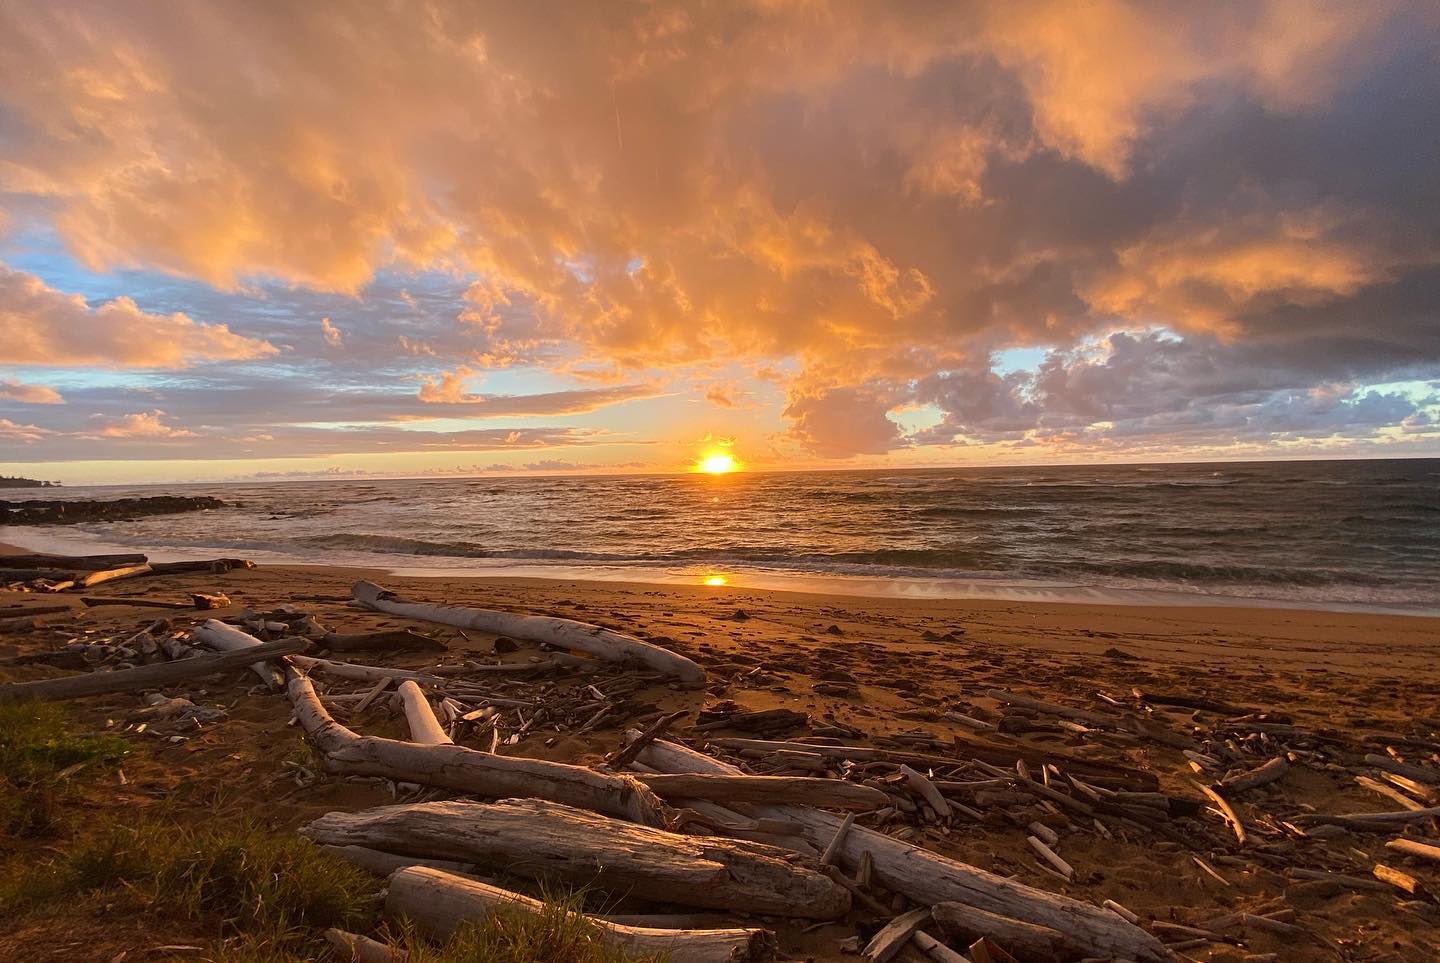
<point>1330,534</point>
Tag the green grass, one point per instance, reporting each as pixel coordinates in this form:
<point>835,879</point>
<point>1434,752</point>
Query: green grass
<point>39,755</point>
<point>558,934</point>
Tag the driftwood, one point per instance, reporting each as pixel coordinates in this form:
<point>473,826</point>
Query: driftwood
<point>564,633</point>
<point>424,727</point>
<point>468,770</point>
<point>355,948</point>
<point>929,878</point>
<point>149,676</point>
<point>1259,776</point>
<point>226,638</point>
<point>215,566</point>
<point>370,641</point>
<point>31,574</point>
<point>83,563</point>
<point>801,790</point>
<point>1368,822</point>
<point>383,864</point>
<point>1413,847</point>
<point>895,934</point>
<point>91,601</point>
<point>1024,940</point>
<point>539,839</point>
<point>439,903</point>
<point>111,575</point>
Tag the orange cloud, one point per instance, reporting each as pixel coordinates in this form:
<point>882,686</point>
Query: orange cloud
<point>42,326</point>
<point>144,424</point>
<point>13,390</point>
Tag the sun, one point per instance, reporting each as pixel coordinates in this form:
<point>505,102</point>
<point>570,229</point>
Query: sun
<point>718,463</point>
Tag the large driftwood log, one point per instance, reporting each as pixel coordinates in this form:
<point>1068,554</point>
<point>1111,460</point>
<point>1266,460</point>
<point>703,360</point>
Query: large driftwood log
<point>539,839</point>
<point>802,790</point>
<point>226,638</point>
<point>1025,940</point>
<point>564,633</point>
<point>469,770</point>
<point>84,563</point>
<point>929,878</point>
<point>424,727</point>
<point>148,676</point>
<point>112,575</point>
<point>439,903</point>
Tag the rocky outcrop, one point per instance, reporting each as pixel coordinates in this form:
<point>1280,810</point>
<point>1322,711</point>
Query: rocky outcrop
<point>70,512</point>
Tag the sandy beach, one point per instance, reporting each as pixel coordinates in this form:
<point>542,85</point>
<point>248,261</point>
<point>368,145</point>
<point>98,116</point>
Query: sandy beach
<point>897,673</point>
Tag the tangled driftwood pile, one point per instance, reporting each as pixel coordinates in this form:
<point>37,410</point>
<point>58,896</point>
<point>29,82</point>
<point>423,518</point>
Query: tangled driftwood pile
<point>814,828</point>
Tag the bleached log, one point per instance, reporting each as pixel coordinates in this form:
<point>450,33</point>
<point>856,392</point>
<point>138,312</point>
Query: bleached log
<point>383,864</point>
<point>439,904</point>
<point>468,770</point>
<point>804,790</point>
<point>424,727</point>
<point>1409,770</point>
<point>564,633</point>
<point>364,673</point>
<point>226,638</point>
<point>111,575</point>
<point>1025,940</point>
<point>147,676</point>
<point>91,601</point>
<point>538,839</point>
<point>1367,822</point>
<point>355,948</point>
<point>929,878</point>
<point>1414,847</point>
<point>921,783</point>
<point>1255,778</point>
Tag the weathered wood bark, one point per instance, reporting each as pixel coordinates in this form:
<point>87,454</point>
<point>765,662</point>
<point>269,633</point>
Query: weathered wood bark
<point>929,878</point>
<point>111,575</point>
<point>438,903</point>
<point>30,574</point>
<point>226,638</point>
<point>802,790</point>
<point>355,948</point>
<point>424,727</point>
<point>537,839</point>
<point>371,641</point>
<point>1254,778</point>
<point>91,601</point>
<point>1024,940</point>
<point>1051,708</point>
<point>564,633</point>
<point>364,673</point>
<point>1368,822</point>
<point>84,563</point>
<point>148,676</point>
<point>469,770</point>
<point>215,566</point>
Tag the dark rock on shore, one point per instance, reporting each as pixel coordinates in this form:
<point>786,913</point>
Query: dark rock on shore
<point>67,512</point>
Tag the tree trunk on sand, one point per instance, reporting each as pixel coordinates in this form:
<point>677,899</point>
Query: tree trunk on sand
<point>424,727</point>
<point>112,575</point>
<point>1027,941</point>
<point>226,638</point>
<point>563,633</point>
<point>439,903</point>
<point>539,839</point>
<point>148,676</point>
<point>84,563</point>
<point>929,878</point>
<point>804,790</point>
<point>469,770</point>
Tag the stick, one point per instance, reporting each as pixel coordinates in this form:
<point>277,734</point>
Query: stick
<point>630,752</point>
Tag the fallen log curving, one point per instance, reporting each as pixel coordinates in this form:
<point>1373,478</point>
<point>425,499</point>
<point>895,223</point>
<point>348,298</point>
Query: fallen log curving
<point>929,878</point>
<point>226,638</point>
<point>149,676</point>
<point>468,770</point>
<point>539,839</point>
<point>439,903</point>
<point>564,633</point>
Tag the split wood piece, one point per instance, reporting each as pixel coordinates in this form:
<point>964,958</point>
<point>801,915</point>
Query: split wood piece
<point>1051,857</point>
<point>1400,880</point>
<point>564,633</point>
<point>1025,940</point>
<point>828,857</point>
<point>1226,812</point>
<point>1050,708</point>
<point>226,638</point>
<point>631,750</point>
<point>921,784</point>
<point>895,934</point>
<point>86,563</point>
<point>383,864</point>
<point>1190,702</point>
<point>800,790</point>
<point>1420,773</point>
<point>439,903</point>
<point>1368,822</point>
<point>91,601</point>
<point>1338,879</point>
<point>149,676</point>
<point>1412,847</point>
<point>928,878</point>
<point>1389,792</point>
<point>370,641</point>
<point>111,575</point>
<point>536,838</point>
<point>1260,776</point>
<point>355,948</point>
<point>935,950</point>
<point>424,727</point>
<point>970,747</point>
<point>468,770</point>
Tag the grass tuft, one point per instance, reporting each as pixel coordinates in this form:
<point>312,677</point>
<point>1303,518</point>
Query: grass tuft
<point>38,754</point>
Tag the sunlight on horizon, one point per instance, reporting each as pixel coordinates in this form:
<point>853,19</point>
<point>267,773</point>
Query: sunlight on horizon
<point>717,463</point>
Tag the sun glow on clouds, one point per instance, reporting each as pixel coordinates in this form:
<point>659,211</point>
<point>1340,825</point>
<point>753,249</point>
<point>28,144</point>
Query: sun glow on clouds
<point>845,229</point>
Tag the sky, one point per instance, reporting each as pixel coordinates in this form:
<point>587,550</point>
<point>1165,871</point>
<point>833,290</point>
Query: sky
<point>249,240</point>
